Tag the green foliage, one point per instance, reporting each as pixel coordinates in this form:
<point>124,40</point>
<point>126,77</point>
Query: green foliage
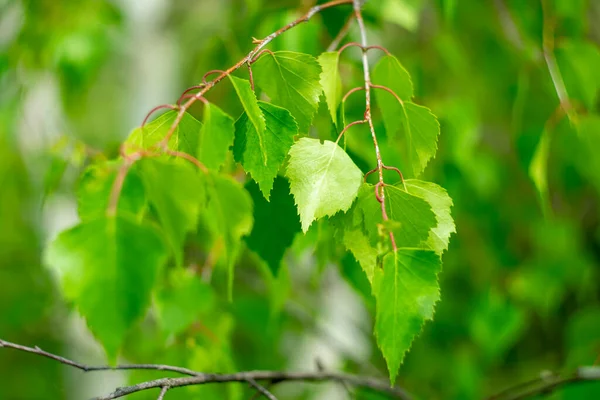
<point>216,137</point>
<point>406,292</point>
<point>110,263</point>
<point>254,241</point>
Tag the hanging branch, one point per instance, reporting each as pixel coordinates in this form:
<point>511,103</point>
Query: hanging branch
<point>200,378</point>
<point>364,46</point>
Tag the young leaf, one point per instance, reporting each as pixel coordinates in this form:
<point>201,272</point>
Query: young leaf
<point>182,301</point>
<point>390,73</point>
<point>185,135</point>
<point>229,217</point>
<point>249,103</point>
<point>276,223</point>
<point>292,81</point>
<point>413,216</point>
<point>95,186</point>
<point>421,129</point>
<point>216,136</point>
<point>323,179</point>
<point>262,153</point>
<point>107,267</point>
<point>331,81</point>
<point>440,203</point>
<point>406,292</point>
<point>178,203</point>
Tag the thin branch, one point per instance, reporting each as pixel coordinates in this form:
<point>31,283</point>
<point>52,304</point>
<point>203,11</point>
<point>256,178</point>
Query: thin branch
<point>199,378</point>
<point>363,47</point>
<point>548,383</point>
<point>269,376</point>
<point>341,34</point>
<point>387,89</point>
<point>262,390</point>
<point>86,368</point>
<point>347,127</point>
<point>354,90</point>
<point>161,396</point>
<point>367,77</point>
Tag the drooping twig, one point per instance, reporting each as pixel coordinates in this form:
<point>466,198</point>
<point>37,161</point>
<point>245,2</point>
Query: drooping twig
<point>367,78</point>
<point>199,378</point>
<point>548,51</point>
<point>548,383</point>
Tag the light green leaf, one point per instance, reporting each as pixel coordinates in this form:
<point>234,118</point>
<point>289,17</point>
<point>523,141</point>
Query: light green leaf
<point>412,215</point>
<point>440,203</point>
<point>229,217</point>
<point>292,81</point>
<point>216,137</point>
<point>420,129</point>
<point>390,73</point>
<point>249,102</point>
<point>262,153</point>
<point>182,301</point>
<point>406,292</point>
<point>185,135</point>
<point>177,203</point>
<point>538,170</point>
<point>108,268</point>
<point>331,81</point>
<point>276,223</point>
<point>95,186</point>
<point>323,179</point>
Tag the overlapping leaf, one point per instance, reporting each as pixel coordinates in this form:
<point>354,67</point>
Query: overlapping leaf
<point>414,126</point>
<point>108,267</point>
<point>276,224</point>
<point>94,191</point>
<point>411,215</point>
<point>331,81</point>
<point>182,301</point>
<point>228,215</point>
<point>216,137</point>
<point>440,203</point>
<point>177,203</point>
<point>249,102</point>
<point>406,292</point>
<point>262,153</point>
<point>184,138</point>
<point>323,179</point>
<point>292,81</point>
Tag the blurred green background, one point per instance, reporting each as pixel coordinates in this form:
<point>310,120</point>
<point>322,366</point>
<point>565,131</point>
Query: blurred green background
<point>521,280</point>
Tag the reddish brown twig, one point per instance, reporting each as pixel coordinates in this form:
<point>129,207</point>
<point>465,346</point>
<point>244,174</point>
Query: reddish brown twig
<point>347,127</point>
<point>354,90</point>
<point>160,107</point>
<point>387,89</point>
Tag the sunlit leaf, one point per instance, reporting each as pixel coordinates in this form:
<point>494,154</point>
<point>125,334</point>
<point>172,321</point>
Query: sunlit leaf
<point>331,81</point>
<point>323,179</point>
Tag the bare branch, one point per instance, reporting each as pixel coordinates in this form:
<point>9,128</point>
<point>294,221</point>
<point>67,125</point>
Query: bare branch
<point>88,368</point>
<point>199,378</point>
<point>547,383</point>
<point>161,396</point>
